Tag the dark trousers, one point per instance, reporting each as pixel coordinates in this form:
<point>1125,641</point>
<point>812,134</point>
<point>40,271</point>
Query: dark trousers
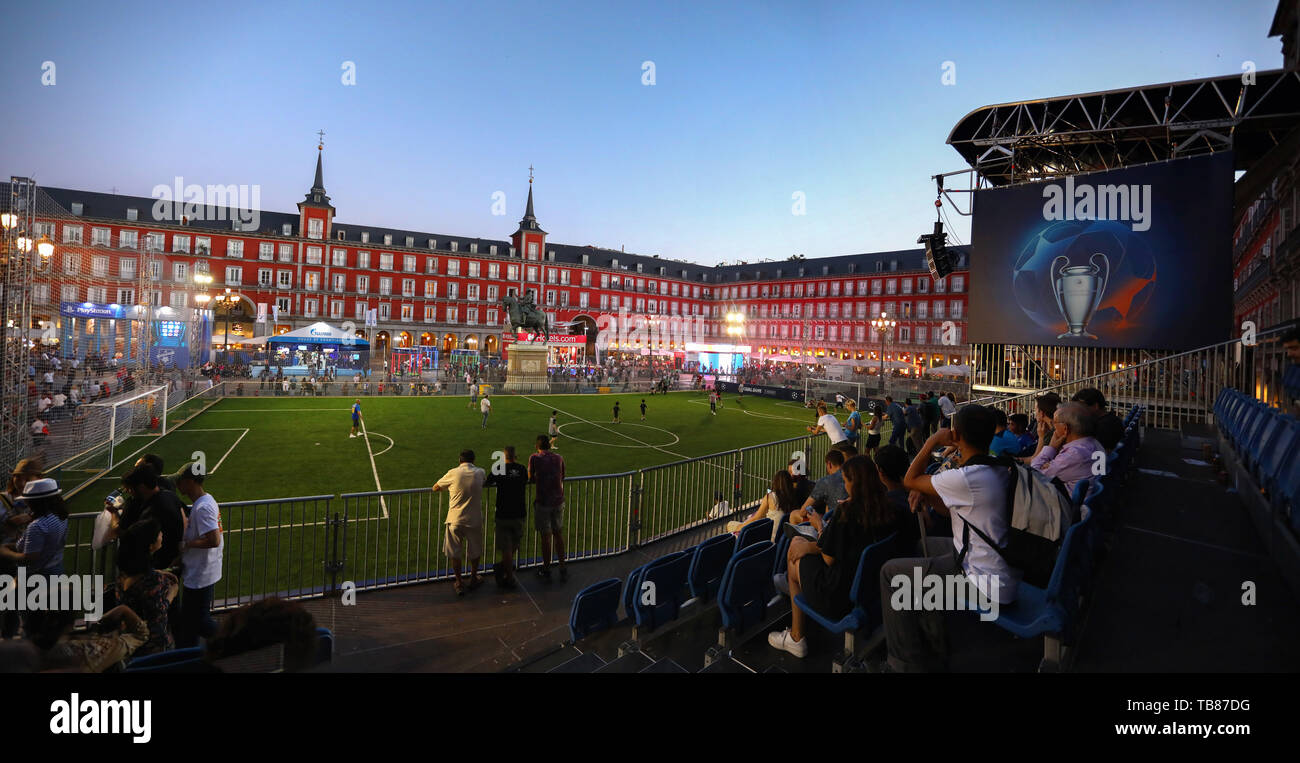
<point>195,617</point>
<point>917,640</point>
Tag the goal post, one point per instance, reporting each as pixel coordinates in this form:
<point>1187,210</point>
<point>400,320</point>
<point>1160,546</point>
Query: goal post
<point>826,390</point>
<point>92,440</point>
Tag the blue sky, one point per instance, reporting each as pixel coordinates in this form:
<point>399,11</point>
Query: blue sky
<point>752,102</point>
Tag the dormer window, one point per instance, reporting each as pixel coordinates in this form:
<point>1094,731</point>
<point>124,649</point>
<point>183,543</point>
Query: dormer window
<point>365,237</point>
<point>341,235</point>
<point>433,243</point>
<point>76,208</point>
<point>388,239</point>
<point>286,229</point>
<point>410,241</point>
<point>455,246</point>
<point>473,248</point>
<point>133,214</point>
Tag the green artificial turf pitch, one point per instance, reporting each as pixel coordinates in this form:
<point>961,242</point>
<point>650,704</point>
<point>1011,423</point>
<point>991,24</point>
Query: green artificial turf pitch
<point>259,448</point>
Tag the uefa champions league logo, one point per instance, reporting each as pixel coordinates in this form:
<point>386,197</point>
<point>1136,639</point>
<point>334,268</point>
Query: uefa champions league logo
<point>1078,290</point>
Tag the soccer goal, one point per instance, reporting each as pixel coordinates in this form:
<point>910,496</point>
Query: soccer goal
<point>99,437</point>
<point>826,390</point>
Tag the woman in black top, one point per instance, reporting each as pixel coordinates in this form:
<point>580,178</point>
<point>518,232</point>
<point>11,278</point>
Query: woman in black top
<point>823,571</point>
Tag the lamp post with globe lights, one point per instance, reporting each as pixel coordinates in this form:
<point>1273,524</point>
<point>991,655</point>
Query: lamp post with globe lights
<point>883,325</point>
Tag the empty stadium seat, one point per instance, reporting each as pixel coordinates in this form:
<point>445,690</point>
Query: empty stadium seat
<point>1050,612</point>
<point>754,532</point>
<point>595,608</point>
<point>747,586</point>
<point>865,595</point>
<point>667,575</point>
<point>324,646</point>
<point>708,563</point>
<point>631,589</point>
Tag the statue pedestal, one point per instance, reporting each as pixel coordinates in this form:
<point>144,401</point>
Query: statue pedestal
<point>526,369</point>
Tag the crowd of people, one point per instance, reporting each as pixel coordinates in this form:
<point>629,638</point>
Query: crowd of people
<point>943,469</point>
<point>168,534</point>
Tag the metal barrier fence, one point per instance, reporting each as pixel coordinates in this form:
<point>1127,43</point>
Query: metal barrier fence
<point>311,546</point>
<point>411,387</point>
<point>1176,388</point>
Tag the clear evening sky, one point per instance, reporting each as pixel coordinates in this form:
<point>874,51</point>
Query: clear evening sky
<point>752,102</point>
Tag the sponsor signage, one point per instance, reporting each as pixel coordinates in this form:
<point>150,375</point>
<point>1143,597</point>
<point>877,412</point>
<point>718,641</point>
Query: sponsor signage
<point>555,339</point>
<point>91,310</point>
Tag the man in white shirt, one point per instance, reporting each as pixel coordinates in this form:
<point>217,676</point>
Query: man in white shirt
<point>828,424</point>
<point>464,537</point>
<point>977,494</point>
<point>485,407</point>
<point>201,550</point>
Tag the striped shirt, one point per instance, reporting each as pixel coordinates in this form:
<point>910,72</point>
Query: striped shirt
<point>44,537</point>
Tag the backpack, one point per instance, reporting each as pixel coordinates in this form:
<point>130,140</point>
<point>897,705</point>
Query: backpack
<point>1040,511</point>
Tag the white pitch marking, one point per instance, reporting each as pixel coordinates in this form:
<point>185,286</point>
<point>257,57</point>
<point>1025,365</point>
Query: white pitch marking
<point>229,450</point>
<point>607,429</point>
<point>390,444</point>
<point>383,505</point>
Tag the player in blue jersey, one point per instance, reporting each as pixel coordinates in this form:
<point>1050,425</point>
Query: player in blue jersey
<point>356,417</point>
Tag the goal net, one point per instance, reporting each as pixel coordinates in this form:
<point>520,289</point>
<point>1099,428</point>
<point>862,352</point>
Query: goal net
<point>101,436</point>
<point>827,390</point>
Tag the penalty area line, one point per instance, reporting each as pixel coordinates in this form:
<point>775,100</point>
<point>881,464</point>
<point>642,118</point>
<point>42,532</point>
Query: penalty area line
<point>383,505</point>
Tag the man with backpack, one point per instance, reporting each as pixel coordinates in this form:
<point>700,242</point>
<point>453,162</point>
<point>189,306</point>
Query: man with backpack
<point>974,494</point>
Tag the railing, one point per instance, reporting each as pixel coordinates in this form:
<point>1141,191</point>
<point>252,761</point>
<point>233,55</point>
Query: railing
<point>1180,387</point>
<point>313,546</point>
<point>409,386</point>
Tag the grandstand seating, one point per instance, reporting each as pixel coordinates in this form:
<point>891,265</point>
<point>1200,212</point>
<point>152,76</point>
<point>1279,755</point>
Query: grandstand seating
<point>1267,443</point>
<point>865,594</point>
<point>737,572</point>
<point>754,532</point>
<point>707,565</point>
<point>666,577</point>
<point>595,608</point>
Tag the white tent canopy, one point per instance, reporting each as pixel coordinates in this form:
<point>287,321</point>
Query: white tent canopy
<point>322,333</point>
<point>950,370</point>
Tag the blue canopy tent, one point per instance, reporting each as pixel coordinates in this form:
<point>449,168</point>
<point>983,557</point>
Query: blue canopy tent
<point>317,347</point>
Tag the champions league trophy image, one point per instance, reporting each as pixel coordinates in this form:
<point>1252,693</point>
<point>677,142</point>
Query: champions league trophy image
<point>1078,290</point>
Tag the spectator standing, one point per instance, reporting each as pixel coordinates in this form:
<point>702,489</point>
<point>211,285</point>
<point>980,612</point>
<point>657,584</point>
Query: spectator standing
<point>464,537</point>
<point>915,425</point>
<point>826,422</point>
<point>947,409</point>
<point>150,501</point>
<point>853,424</point>
<point>14,516</point>
<point>485,407</point>
<point>512,515</point>
<point>898,427</point>
<point>201,552</point>
<point>546,470</point>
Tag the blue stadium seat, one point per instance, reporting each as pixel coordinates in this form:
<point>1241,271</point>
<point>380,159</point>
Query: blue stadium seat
<point>1280,456</point>
<point>754,532</point>
<point>747,586</point>
<point>324,646</point>
<point>707,565</point>
<point>865,594</point>
<point>1262,443</point>
<point>631,589</point>
<point>668,574</point>
<point>1050,612</point>
<point>174,661</point>
<point>595,608</point>
<point>779,562</point>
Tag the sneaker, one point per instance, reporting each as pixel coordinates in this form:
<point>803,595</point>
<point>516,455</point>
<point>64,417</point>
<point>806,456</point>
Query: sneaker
<point>782,640</point>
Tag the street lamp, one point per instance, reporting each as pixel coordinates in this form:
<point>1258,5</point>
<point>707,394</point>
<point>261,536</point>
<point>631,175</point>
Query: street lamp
<point>884,324</point>
<point>227,300</point>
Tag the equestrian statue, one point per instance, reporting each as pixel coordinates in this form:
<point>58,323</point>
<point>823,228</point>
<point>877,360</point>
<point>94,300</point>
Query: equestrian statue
<point>524,315</point>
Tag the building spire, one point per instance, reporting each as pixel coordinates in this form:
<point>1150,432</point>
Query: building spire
<point>317,193</point>
<point>530,220</point>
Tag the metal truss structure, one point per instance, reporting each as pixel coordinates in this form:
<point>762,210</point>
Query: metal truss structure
<point>16,254</point>
<point>1248,113</point>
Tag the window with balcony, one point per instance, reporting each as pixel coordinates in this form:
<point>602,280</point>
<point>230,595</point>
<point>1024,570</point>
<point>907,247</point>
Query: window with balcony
<point>234,247</point>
